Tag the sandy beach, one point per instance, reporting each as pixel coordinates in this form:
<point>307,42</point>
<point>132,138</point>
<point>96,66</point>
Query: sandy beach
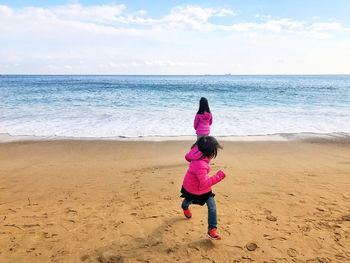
<point>109,201</point>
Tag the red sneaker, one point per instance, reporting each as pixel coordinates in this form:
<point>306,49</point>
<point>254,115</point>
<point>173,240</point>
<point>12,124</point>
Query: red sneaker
<point>187,213</point>
<point>213,234</point>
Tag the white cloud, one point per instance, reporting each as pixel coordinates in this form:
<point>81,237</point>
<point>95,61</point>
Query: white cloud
<point>5,11</point>
<point>109,39</point>
<point>193,16</point>
<point>155,63</point>
<point>279,25</point>
<point>115,17</point>
<point>328,26</point>
<point>102,13</point>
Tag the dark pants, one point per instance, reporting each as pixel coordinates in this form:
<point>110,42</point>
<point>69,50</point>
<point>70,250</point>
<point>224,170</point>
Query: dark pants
<point>212,222</point>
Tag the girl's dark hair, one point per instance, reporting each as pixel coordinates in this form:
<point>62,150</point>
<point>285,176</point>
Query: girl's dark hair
<point>209,146</point>
<point>203,106</point>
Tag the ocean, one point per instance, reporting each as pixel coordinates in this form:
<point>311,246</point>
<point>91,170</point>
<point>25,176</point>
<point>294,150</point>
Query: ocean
<point>141,106</point>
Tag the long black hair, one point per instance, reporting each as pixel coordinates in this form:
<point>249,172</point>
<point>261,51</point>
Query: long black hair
<point>208,145</point>
<point>203,106</point>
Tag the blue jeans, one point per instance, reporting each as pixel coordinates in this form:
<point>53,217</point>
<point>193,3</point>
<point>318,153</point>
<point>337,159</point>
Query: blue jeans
<point>212,221</point>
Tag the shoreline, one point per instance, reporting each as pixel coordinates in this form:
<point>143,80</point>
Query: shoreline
<point>278,137</point>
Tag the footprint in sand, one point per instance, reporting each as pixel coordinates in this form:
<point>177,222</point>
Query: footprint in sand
<point>48,235</point>
<point>109,258</point>
<point>70,210</point>
<point>84,257</point>
<point>305,228</point>
<point>251,246</point>
<point>292,252</point>
<point>271,218</point>
<point>170,250</point>
<point>30,250</point>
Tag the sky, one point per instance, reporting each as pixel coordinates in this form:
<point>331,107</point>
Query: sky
<point>175,37</point>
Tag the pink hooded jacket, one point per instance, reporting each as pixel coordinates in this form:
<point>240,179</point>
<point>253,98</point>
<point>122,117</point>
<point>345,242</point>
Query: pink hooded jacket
<point>196,180</point>
<point>202,123</point>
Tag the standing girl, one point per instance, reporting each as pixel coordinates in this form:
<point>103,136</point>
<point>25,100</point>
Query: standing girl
<point>196,187</point>
<point>203,119</point>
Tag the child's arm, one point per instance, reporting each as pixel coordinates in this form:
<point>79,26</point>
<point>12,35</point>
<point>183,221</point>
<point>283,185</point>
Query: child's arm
<point>211,119</point>
<point>205,181</point>
<point>196,121</point>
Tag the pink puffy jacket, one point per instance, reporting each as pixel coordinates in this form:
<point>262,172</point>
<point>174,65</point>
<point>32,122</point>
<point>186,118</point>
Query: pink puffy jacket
<point>196,180</point>
<point>202,123</point>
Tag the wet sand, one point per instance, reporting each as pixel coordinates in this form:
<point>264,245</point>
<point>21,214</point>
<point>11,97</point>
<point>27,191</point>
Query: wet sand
<point>108,201</point>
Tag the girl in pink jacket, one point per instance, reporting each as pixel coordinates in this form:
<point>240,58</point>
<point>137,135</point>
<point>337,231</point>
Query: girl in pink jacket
<point>203,119</point>
<point>196,187</point>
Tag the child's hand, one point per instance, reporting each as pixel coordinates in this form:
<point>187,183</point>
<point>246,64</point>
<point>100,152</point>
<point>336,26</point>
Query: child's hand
<point>221,174</point>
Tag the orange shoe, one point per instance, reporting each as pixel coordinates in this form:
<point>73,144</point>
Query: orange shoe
<point>213,234</point>
<point>187,213</point>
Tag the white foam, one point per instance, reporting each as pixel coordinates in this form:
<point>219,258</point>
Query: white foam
<point>133,122</point>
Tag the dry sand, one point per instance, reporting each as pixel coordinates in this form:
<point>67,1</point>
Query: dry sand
<point>90,201</point>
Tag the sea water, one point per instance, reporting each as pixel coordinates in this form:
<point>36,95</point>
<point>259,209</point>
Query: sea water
<point>134,106</point>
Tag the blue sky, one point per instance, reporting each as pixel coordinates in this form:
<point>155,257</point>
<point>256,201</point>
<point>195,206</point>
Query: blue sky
<point>301,9</point>
<point>175,37</point>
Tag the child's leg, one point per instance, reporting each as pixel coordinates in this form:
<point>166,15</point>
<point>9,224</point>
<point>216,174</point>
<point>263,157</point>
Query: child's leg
<point>212,221</point>
<point>185,204</point>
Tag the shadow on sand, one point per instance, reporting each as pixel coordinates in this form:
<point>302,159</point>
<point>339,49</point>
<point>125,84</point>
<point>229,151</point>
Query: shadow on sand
<point>159,245</point>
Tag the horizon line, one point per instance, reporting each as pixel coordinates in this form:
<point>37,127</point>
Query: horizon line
<point>228,74</point>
